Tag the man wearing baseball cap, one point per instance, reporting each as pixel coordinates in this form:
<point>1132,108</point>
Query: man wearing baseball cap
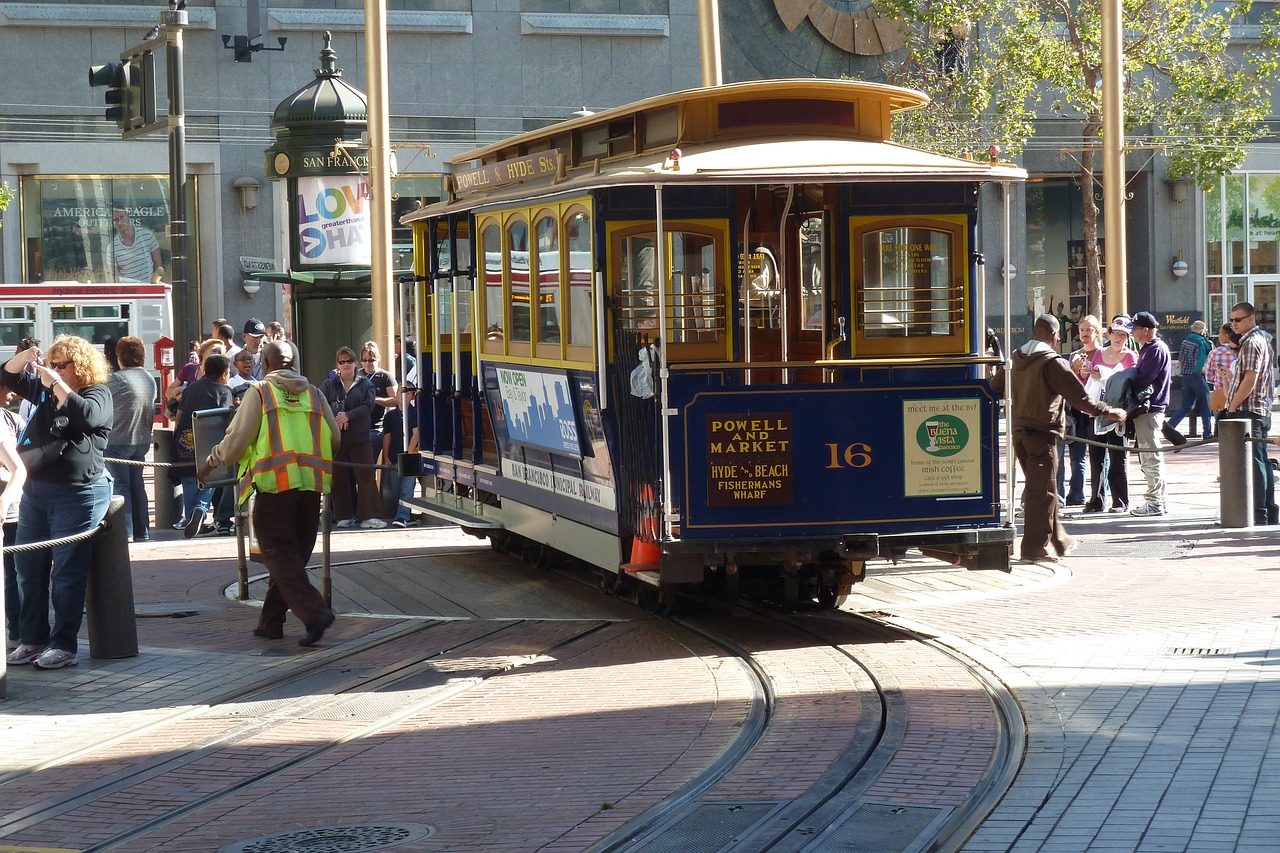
<point>254,330</point>
<point>1154,369</point>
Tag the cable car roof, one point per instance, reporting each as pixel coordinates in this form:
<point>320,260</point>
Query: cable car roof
<point>785,131</point>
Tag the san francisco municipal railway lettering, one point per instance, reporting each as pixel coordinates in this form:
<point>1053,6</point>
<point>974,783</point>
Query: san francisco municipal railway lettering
<point>749,460</point>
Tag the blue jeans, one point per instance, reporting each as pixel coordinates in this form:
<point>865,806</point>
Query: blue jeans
<point>193,496</point>
<point>128,484</point>
<point>61,575</point>
<point>1195,392</point>
<point>406,491</point>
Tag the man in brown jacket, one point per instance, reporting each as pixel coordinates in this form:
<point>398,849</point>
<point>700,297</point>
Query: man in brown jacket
<point>1041,388</point>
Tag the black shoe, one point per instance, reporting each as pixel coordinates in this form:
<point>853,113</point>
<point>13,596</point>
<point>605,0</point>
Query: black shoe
<point>142,537</point>
<point>269,633</point>
<point>193,524</point>
<point>1172,436</point>
<point>224,528</point>
<point>1093,506</point>
<point>316,631</point>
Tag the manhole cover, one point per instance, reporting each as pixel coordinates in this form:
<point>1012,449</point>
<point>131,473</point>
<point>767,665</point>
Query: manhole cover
<point>334,839</point>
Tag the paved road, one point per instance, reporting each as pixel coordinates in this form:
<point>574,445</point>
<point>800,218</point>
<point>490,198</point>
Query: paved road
<point>1143,666</point>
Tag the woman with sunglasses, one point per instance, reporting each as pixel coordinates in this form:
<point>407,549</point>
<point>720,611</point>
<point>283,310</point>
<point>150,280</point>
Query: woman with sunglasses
<point>351,396</point>
<point>67,491</point>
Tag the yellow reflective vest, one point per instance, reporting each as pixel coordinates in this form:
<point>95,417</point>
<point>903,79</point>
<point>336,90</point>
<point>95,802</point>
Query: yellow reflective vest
<point>294,447</point>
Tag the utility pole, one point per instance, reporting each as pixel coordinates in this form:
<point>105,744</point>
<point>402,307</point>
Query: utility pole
<point>172,22</point>
<point>379,101</point>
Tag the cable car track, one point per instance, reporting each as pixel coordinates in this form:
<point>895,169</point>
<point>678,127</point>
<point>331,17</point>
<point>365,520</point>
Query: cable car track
<point>851,748</point>
<point>832,798</point>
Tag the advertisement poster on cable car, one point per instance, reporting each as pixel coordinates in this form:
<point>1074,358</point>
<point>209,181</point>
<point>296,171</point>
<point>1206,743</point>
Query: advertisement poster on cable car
<point>333,221</point>
<point>551,436</point>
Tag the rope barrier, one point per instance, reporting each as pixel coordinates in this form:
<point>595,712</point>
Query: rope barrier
<point>145,464</point>
<point>54,543</point>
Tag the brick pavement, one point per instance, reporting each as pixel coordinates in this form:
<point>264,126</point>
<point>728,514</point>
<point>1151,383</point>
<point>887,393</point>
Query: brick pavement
<point>1145,675</point>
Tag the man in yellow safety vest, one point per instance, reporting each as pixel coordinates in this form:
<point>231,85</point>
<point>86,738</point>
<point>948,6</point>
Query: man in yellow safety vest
<point>283,437</point>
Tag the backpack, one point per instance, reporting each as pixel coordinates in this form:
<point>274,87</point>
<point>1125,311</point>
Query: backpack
<point>1203,354</point>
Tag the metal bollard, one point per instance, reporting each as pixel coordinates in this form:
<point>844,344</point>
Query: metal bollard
<point>168,508</point>
<point>113,631</point>
<point>1235,484</point>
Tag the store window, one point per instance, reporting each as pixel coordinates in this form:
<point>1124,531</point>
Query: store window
<point>1055,279</point>
<point>94,229</point>
<point>1242,246</point>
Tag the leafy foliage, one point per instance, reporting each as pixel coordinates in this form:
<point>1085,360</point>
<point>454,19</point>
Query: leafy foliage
<point>1198,75</point>
<point>6,196</point>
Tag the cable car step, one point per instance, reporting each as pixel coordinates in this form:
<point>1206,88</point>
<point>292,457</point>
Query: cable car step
<point>457,516</point>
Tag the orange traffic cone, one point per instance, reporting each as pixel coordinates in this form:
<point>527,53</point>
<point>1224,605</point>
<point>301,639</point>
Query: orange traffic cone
<point>646,556</point>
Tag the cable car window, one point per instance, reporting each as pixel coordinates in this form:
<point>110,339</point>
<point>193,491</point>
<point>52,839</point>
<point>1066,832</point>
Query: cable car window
<point>696,283</point>
<point>581,309</point>
<point>491,251</point>
<point>636,303</point>
<point>518,252</point>
<point>911,285</point>
<point>548,234</point>
<point>694,303</point>
<point>812,262</point>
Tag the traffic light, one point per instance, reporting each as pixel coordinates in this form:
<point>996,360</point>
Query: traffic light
<point>123,85</point>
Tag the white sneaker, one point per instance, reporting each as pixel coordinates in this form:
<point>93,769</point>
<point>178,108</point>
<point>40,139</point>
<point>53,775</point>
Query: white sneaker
<point>373,524</point>
<point>55,659</point>
<point>346,522</point>
<point>24,654</point>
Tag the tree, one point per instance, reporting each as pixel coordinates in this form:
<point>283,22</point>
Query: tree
<point>1194,87</point>
<point>6,196</point>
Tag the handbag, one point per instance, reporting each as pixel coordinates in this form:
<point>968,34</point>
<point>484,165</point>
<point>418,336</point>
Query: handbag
<point>1218,399</point>
<point>42,441</point>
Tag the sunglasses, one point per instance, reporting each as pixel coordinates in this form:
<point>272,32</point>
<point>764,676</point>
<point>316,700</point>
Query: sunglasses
<point>368,360</point>
<point>59,365</point>
<point>346,361</point>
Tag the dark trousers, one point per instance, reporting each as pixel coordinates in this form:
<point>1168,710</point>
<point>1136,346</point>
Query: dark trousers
<point>368,502</point>
<point>11,602</point>
<point>1043,534</point>
<point>286,525</point>
<point>129,485</point>
<point>1107,470</point>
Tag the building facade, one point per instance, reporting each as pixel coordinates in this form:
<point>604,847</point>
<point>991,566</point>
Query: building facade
<point>464,73</point>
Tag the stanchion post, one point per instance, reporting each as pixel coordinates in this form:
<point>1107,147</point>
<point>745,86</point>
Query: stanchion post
<point>168,510</point>
<point>242,548</point>
<point>1235,481</point>
<point>326,579</point>
<point>113,631</point>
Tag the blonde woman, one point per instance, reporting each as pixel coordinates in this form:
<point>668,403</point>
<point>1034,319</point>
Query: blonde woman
<point>67,490</point>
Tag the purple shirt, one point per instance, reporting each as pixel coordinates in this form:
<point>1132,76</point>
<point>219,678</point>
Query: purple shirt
<point>1154,369</point>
